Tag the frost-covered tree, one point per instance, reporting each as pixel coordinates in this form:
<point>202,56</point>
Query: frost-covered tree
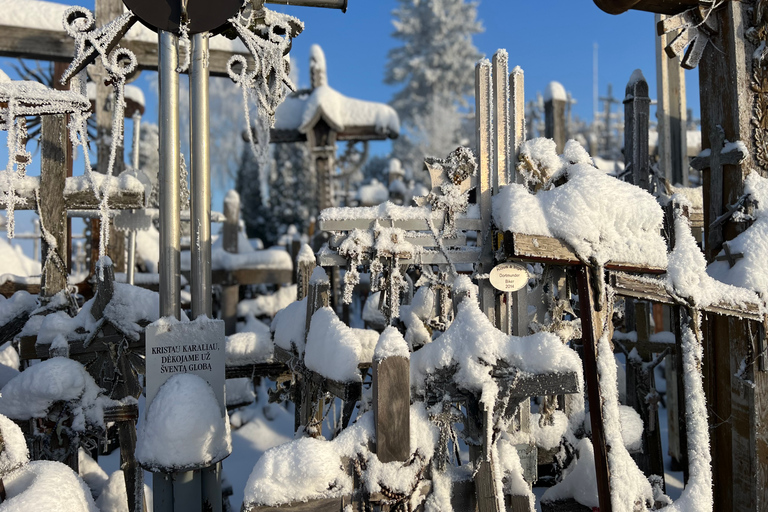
<point>434,64</point>
<point>291,196</point>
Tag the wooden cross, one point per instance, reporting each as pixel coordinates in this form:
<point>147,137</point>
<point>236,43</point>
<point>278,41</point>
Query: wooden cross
<point>720,154</point>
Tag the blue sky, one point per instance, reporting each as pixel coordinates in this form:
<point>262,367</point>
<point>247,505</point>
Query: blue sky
<point>550,40</point>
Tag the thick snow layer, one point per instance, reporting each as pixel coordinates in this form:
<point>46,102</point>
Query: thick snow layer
<point>33,391</point>
<point>697,495</point>
<point>250,347</point>
<point>239,391</point>
<point>183,427</point>
<point>580,482</point>
<point>90,471</point>
<point>288,326</point>
<point>14,452</point>
<point>306,254</point>
<point>268,305</point>
<point>597,215</point>
<point>49,486</point>
<point>473,344</point>
<point>547,434</point>
<point>113,184</point>
<point>631,427</point>
<point>114,497</point>
<point>270,259</point>
<point>749,271</point>
<point>20,302</point>
<point>687,274</point>
<point>333,350</point>
<point>555,91</point>
<point>386,210</point>
<point>129,305</point>
<point>373,194</point>
<point>301,470</point>
<point>15,262</point>
<point>148,248</point>
<point>391,344</point>
<point>307,468</point>
<point>300,111</point>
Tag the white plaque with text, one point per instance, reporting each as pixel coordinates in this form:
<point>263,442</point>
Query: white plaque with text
<point>509,277</point>
<point>186,347</point>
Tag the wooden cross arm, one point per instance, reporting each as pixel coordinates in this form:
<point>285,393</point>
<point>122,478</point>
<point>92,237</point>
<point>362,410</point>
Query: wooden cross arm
<point>657,6</point>
<point>653,290</point>
<point>546,249</point>
<point>55,45</point>
<point>248,276</point>
<point>83,199</point>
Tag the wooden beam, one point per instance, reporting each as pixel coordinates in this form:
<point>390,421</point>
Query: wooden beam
<point>58,46</point>
<point>328,258</point>
<point>654,290</point>
<point>546,249</point>
<point>338,224</point>
<point>52,207</point>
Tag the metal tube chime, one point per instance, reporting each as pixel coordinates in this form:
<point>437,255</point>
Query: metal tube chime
<point>170,219</point>
<point>131,271</point>
<point>200,177</point>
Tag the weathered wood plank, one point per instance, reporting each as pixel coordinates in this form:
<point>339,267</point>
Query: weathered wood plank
<point>591,325</point>
<point>53,216</point>
<point>391,408</point>
<point>461,223</point>
<point>326,505</point>
<point>50,45</point>
<point>546,249</point>
<point>328,258</point>
<point>651,289</point>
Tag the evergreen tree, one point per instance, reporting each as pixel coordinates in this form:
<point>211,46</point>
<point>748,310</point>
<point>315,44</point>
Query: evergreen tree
<point>291,197</point>
<point>435,64</point>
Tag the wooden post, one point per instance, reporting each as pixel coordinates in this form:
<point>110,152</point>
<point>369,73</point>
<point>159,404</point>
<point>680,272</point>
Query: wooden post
<point>53,213</point>
<point>733,96</point>
<point>637,106</point>
<point>671,112</point>
<point>555,100</point>
<point>478,417</point>
<point>309,399</point>
<point>305,264</point>
<point>230,292</point>
<point>640,381</point>
<point>591,326</point>
<point>391,408</point>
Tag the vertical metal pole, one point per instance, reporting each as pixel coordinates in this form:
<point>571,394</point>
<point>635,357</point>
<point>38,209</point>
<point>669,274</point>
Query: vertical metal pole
<point>131,265</point>
<point>201,220</point>
<point>200,177</point>
<point>170,221</point>
<point>170,207</point>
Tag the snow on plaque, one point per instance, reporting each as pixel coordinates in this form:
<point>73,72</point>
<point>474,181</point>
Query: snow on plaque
<point>509,277</point>
<point>197,347</point>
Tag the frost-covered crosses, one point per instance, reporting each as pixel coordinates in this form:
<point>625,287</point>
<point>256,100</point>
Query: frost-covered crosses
<point>17,100</point>
<point>451,183</point>
<point>267,35</point>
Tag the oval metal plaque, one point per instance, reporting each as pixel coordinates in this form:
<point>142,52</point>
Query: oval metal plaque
<point>204,15</point>
<point>509,277</point>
